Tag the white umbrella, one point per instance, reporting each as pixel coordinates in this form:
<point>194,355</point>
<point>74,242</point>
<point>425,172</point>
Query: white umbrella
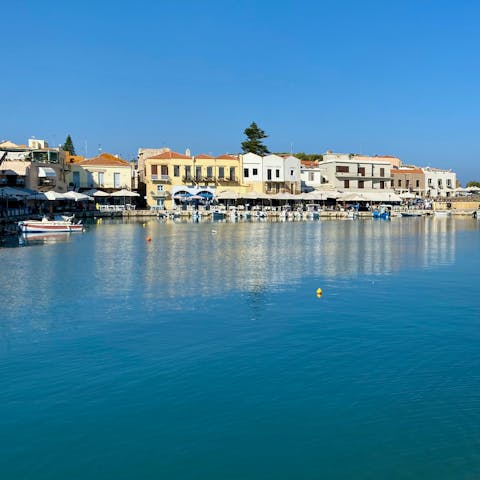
<point>96,193</point>
<point>406,195</point>
<point>77,196</point>
<point>52,195</point>
<point>125,193</point>
<point>227,195</point>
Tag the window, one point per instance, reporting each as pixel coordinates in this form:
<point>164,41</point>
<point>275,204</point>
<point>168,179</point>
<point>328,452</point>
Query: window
<point>116,180</point>
<point>221,172</point>
<point>311,176</point>
<point>154,169</point>
<point>407,183</point>
<point>346,184</point>
<point>164,169</point>
<point>342,168</point>
<point>399,182</point>
<point>245,172</point>
<point>269,174</point>
<point>198,172</point>
<point>417,183</point>
<point>429,182</point>
<point>209,171</point>
<point>159,188</point>
<point>292,172</point>
<point>277,173</point>
<point>382,185</point>
<point>440,183</point>
<point>382,172</point>
<point>232,173</point>
<point>101,178</point>
<point>176,170</point>
<point>449,182</point>
<point>361,184</point>
<point>255,171</point>
<point>361,171</point>
<point>188,171</point>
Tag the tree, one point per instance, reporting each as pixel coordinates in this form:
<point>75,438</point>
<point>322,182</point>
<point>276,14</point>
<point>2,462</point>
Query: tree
<point>473,184</point>
<point>253,143</point>
<point>68,145</point>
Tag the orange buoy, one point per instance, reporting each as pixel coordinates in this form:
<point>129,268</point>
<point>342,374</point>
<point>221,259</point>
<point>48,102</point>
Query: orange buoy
<point>149,239</point>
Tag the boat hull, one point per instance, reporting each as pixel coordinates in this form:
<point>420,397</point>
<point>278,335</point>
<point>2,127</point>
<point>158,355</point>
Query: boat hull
<point>33,226</point>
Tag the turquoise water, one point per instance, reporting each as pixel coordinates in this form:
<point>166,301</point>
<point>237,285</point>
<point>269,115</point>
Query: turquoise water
<point>206,354</point>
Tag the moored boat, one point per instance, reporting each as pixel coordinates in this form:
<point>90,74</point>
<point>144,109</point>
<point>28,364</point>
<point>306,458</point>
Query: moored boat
<point>65,224</point>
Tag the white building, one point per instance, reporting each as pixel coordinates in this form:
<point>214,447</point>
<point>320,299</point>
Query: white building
<point>439,183</point>
<point>271,174</point>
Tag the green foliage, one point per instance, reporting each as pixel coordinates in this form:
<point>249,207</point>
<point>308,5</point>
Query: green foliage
<point>473,184</point>
<point>253,143</point>
<point>68,145</point>
<point>313,157</point>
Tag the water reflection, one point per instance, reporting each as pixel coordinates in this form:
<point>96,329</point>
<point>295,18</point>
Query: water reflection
<point>112,272</point>
<point>205,259</point>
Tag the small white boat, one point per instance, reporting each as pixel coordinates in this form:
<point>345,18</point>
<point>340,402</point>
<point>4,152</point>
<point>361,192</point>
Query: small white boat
<point>61,225</point>
<point>442,213</point>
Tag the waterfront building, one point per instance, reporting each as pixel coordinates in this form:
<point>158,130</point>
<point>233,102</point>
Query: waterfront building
<point>271,174</point>
<point>311,175</point>
<point>348,172</point>
<point>35,166</point>
<point>143,154</point>
<point>105,171</point>
<point>169,176</point>
<point>424,182</point>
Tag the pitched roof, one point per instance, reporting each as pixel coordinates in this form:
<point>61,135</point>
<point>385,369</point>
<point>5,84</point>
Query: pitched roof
<point>104,159</point>
<point>169,155</point>
<point>226,156</point>
<point>309,163</point>
<point>204,156</point>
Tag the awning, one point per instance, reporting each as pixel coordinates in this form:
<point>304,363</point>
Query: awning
<point>46,172</point>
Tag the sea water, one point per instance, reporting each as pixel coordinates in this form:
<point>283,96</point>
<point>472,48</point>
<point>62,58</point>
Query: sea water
<point>205,353</point>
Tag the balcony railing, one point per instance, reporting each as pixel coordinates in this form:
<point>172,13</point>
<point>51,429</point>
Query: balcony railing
<point>160,178</point>
<point>187,178</point>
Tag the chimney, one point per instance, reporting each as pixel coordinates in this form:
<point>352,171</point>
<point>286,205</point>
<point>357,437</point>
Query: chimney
<point>187,152</point>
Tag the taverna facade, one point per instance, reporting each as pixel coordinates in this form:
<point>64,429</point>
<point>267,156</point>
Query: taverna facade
<point>170,177</point>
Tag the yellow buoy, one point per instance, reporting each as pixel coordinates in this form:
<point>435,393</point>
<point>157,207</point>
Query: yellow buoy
<point>144,225</point>
<point>319,292</point>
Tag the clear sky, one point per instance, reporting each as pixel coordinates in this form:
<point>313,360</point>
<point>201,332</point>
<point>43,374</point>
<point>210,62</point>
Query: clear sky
<point>372,77</point>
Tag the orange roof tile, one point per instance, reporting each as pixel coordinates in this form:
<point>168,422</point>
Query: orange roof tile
<point>204,156</point>
<point>309,163</point>
<point>104,159</point>
<point>226,156</point>
<point>169,155</point>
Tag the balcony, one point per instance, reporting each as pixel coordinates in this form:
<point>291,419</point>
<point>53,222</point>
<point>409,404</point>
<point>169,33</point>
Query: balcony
<point>227,179</point>
<point>187,179</point>
<point>160,194</point>
<point>160,178</point>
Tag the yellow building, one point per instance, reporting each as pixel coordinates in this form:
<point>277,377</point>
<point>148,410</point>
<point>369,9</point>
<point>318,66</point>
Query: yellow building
<point>171,175</point>
<point>105,171</point>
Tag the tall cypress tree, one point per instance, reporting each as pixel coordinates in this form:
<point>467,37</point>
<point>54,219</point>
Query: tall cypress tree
<point>253,143</point>
<point>68,145</point>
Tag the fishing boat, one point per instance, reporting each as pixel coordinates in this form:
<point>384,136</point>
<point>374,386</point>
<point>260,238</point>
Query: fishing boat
<point>62,224</point>
<point>412,213</point>
<point>383,212</point>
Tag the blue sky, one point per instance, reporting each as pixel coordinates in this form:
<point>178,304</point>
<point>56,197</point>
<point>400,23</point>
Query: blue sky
<point>372,77</point>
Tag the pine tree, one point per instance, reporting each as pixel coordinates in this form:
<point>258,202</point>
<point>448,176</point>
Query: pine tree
<point>253,143</point>
<point>68,145</point>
